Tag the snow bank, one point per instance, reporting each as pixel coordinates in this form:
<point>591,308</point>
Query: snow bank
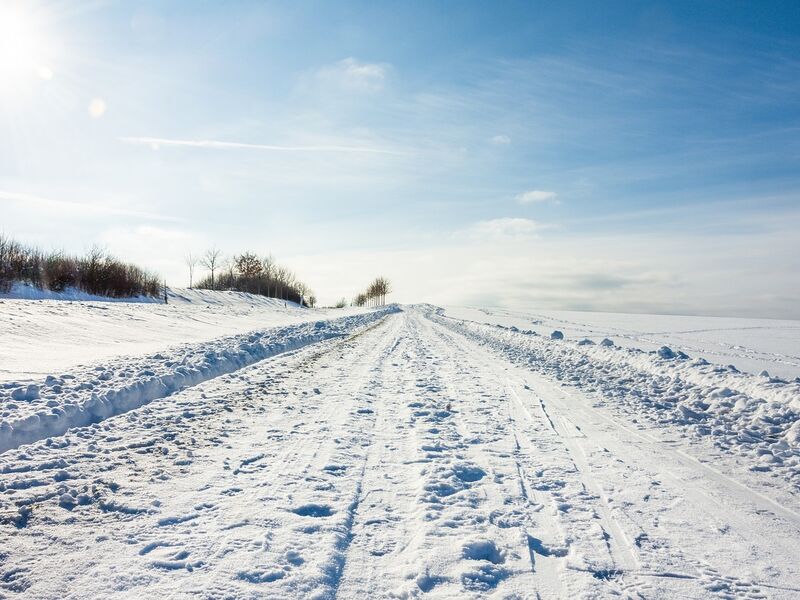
<point>739,412</point>
<point>57,403</point>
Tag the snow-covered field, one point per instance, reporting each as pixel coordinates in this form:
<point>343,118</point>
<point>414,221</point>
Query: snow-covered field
<point>397,453</point>
<point>751,345</point>
<point>49,336</point>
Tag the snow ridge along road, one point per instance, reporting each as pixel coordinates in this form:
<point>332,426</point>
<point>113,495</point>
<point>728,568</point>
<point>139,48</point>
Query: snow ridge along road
<point>719,406</point>
<point>409,460</point>
<point>34,411</point>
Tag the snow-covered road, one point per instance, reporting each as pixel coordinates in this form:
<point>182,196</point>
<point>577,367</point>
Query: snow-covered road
<point>406,460</point>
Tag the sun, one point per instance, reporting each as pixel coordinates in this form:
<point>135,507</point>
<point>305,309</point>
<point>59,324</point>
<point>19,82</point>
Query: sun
<point>24,48</point>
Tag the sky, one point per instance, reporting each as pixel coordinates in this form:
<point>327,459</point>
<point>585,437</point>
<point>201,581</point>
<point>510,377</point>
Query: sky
<point>613,156</point>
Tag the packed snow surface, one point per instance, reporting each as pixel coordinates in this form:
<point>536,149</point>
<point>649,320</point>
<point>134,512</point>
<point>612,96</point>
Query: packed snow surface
<point>405,454</point>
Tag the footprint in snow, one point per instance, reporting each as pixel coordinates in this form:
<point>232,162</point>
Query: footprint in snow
<point>313,510</point>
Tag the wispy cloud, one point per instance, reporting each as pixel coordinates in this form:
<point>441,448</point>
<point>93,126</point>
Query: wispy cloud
<point>50,204</point>
<point>354,74</point>
<point>156,143</point>
<point>534,196</point>
<point>500,140</point>
<point>508,228</point>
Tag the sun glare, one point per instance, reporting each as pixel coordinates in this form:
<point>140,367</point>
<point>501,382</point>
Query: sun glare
<point>23,45</point>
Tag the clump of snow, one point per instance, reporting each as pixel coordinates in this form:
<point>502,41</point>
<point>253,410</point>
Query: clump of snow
<point>556,335</point>
<point>586,342</point>
<point>666,353</point>
<point>26,393</point>
<point>607,343</point>
<point>792,435</point>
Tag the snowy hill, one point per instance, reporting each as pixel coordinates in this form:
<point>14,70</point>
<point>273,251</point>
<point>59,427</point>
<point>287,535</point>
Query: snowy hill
<point>45,336</point>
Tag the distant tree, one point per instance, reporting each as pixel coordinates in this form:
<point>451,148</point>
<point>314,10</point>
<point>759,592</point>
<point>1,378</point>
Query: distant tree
<point>191,261</point>
<point>341,303</point>
<point>302,289</point>
<point>376,293</point>
<point>210,261</point>
<point>247,272</point>
<point>250,269</point>
<point>312,300</point>
<point>268,267</point>
<point>248,265</point>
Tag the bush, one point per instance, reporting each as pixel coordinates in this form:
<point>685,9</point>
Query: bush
<point>96,273</point>
<point>262,276</point>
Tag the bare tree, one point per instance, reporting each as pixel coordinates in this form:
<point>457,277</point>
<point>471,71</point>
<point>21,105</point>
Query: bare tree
<point>302,289</point>
<point>268,267</point>
<point>191,261</point>
<point>211,261</point>
<point>376,293</point>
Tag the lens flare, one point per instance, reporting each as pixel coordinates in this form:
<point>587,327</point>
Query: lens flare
<point>24,50</point>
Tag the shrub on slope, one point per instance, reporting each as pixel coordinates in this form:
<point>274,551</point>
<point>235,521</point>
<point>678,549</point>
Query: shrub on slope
<point>95,273</point>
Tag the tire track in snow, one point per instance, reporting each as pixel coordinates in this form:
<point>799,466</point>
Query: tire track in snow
<point>245,401</point>
<point>631,579</point>
<point>520,526</point>
<point>56,405</point>
<point>332,468</point>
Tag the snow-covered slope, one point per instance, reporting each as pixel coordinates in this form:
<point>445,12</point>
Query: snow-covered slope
<point>47,337</point>
<point>752,345</point>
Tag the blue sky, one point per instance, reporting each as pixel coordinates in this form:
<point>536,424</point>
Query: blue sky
<point>602,156</point>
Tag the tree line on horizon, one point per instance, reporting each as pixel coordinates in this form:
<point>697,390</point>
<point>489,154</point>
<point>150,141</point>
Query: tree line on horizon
<point>247,272</point>
<point>101,274</point>
<point>375,294</point>
<point>97,272</point>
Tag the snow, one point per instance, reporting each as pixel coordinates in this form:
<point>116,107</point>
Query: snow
<point>402,454</point>
<point>91,394</point>
<point>43,337</point>
<point>751,344</point>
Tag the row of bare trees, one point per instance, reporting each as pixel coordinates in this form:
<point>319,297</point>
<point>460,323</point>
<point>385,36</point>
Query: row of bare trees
<point>247,272</point>
<point>375,294</point>
<point>96,272</point>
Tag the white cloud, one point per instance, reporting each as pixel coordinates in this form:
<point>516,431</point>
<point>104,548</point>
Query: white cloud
<point>156,143</point>
<point>353,74</point>
<point>644,273</point>
<point>500,140</point>
<point>533,196</point>
<point>502,228</point>
<point>98,209</point>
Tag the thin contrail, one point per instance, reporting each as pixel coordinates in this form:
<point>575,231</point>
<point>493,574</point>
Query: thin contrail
<point>151,141</point>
